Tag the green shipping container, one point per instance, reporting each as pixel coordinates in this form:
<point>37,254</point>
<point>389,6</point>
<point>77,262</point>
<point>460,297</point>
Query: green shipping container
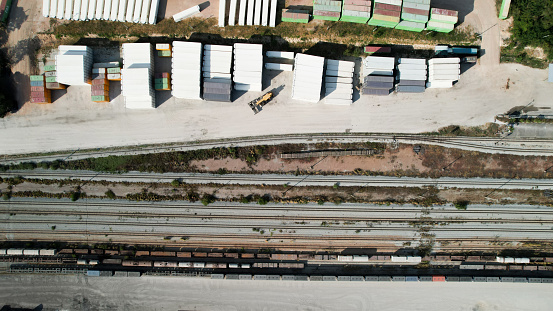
<point>100,98</point>
<point>6,12</point>
<point>37,78</point>
<point>164,53</point>
<point>51,79</point>
<point>114,70</point>
<point>50,68</point>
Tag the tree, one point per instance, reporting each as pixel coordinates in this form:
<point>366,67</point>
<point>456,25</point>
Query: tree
<point>110,194</point>
<point>461,205</point>
<point>208,199</point>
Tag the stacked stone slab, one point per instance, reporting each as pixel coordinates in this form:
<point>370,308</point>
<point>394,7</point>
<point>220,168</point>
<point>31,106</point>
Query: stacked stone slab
<point>52,78</point>
<point>295,16</point>
<point>339,82</point>
<point>100,85</point>
<point>308,78</point>
<point>356,11</point>
<point>248,67</point>
<point>327,9</point>
<point>386,13</point>
<point>379,75</point>
<point>39,93</point>
<point>216,68</point>
<point>186,72</point>
<point>414,15</point>
<point>442,72</point>
<point>412,75</point>
<point>162,81</point>
<point>442,20</point>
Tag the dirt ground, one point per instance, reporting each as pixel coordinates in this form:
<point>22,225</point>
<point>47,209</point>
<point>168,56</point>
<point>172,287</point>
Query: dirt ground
<point>73,122</point>
<point>174,293</point>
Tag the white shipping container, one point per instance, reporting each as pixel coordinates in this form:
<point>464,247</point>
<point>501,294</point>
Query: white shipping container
<point>242,13</point>
<point>439,84</point>
<point>251,6</point>
<point>68,9</point>
<point>280,54</point>
<point>272,18</point>
<point>415,61</point>
<point>152,17</point>
<point>46,8</point>
<point>186,13</point>
<point>222,11</point>
<point>84,10</point>
<point>339,80</point>
<point>107,10</point>
<point>91,9</point>
<point>77,10</point>
<point>114,10</point>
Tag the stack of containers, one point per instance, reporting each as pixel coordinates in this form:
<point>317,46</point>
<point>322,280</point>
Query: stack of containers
<point>442,72</point>
<point>414,15</point>
<point>308,77</point>
<point>339,82</point>
<point>386,13</point>
<point>412,75</point>
<point>248,67</point>
<point>51,78</point>
<point>163,49</point>
<point>39,93</point>
<point>356,11</point>
<point>216,70</point>
<point>442,20</point>
<point>186,70</point>
<point>136,76</point>
<point>378,85</point>
<point>295,16</point>
<point>100,85</point>
<point>162,81</point>
<point>114,74</point>
<point>73,63</point>
<point>327,9</point>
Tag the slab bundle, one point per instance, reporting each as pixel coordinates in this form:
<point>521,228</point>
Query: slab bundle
<point>216,69</point>
<point>100,85</point>
<point>162,81</point>
<point>295,16</point>
<point>378,85</point>
<point>52,78</point>
<point>442,72</point>
<point>386,13</point>
<point>186,70</point>
<point>339,82</point>
<point>186,13</point>
<point>136,76</point>
<point>414,15</point>
<point>412,75</point>
<point>327,9</point>
<point>276,58</point>
<point>248,67</point>
<point>114,73</point>
<point>442,20</point>
<point>381,66</point>
<point>135,11</point>
<point>73,63</point>
<point>504,10</point>
<point>39,93</point>
<point>356,11</point>
<point>163,49</point>
<point>308,77</point>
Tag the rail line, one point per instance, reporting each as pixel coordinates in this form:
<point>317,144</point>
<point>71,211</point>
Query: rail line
<point>461,142</point>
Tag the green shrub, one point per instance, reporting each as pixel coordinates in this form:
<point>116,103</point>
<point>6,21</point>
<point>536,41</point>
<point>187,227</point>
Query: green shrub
<point>110,194</point>
<point>461,205</point>
<point>208,199</point>
<point>262,201</point>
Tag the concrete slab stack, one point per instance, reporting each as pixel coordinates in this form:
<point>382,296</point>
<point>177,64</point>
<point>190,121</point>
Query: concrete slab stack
<point>327,9</point>
<point>74,63</point>
<point>295,16</point>
<point>378,85</point>
<point>339,82</point>
<point>216,71</point>
<point>276,59</point>
<point>442,72</point>
<point>414,15</point>
<point>386,13</point>
<point>273,15</point>
<point>356,11</point>
<point>442,20</point>
<point>136,76</point>
<point>222,12</point>
<point>242,12</point>
<point>376,65</point>
<point>136,11</point>
<point>308,77</point>
<point>412,75</point>
<point>187,70</point>
<point>248,67</point>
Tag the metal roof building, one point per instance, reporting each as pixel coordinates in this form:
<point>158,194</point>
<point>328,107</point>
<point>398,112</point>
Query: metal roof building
<point>308,77</point>
<point>74,64</point>
<point>248,67</point>
<point>339,82</point>
<point>136,76</point>
<point>186,69</point>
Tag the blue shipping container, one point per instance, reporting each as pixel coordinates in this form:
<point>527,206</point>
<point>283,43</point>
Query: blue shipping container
<point>93,273</point>
<point>469,51</point>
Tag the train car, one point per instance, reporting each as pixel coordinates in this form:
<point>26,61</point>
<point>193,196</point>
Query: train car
<point>93,262</point>
<point>184,254</point>
<point>515,268</point>
<point>165,264</point>
<point>126,252</point>
<point>97,251</point>
<point>66,251</point>
<point>111,252</point>
<point>474,258</point>
<point>495,267</point>
<point>112,261</point>
<point>142,253</point>
<point>211,265</point>
<point>231,255</point>
<point>31,252</point>
<point>464,266</point>
<point>531,268</point>
<point>198,265</point>
<point>2,252</point>
<point>548,259</point>
<point>199,254</point>
<point>215,255</point>
<point>305,256</point>
<point>247,255</point>
<point>14,252</point>
<point>438,278</point>
<point>522,260</point>
<point>263,256</point>
<point>458,258</point>
<point>245,266</point>
<point>162,254</point>
<point>441,258</point>
<point>82,262</point>
<point>185,265</point>
<point>284,256</point>
<point>345,258</point>
<point>47,252</point>
<point>290,265</point>
<point>233,266</point>
<point>221,265</point>
<point>81,251</point>
<point>137,263</point>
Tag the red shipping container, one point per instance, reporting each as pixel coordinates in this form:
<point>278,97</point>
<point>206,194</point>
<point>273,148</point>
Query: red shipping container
<point>389,7</point>
<point>444,12</point>
<point>415,11</point>
<point>438,278</point>
<point>37,88</point>
<point>38,94</point>
<point>327,13</point>
<point>103,87</point>
<point>99,82</point>
<point>387,13</point>
<point>378,49</point>
<point>101,93</point>
<point>358,8</point>
<point>358,2</point>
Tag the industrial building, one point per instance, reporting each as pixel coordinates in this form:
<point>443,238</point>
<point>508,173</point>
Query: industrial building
<point>339,82</point>
<point>308,77</point>
<point>136,76</point>
<point>131,11</point>
<point>186,70</point>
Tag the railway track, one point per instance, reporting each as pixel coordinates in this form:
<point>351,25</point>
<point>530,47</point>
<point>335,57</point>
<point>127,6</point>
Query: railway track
<point>482,144</point>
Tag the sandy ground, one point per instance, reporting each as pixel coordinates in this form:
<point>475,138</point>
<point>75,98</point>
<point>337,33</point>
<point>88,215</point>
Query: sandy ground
<point>73,122</point>
<point>157,293</point>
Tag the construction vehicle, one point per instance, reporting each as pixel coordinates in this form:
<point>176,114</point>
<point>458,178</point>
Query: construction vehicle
<point>258,103</point>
